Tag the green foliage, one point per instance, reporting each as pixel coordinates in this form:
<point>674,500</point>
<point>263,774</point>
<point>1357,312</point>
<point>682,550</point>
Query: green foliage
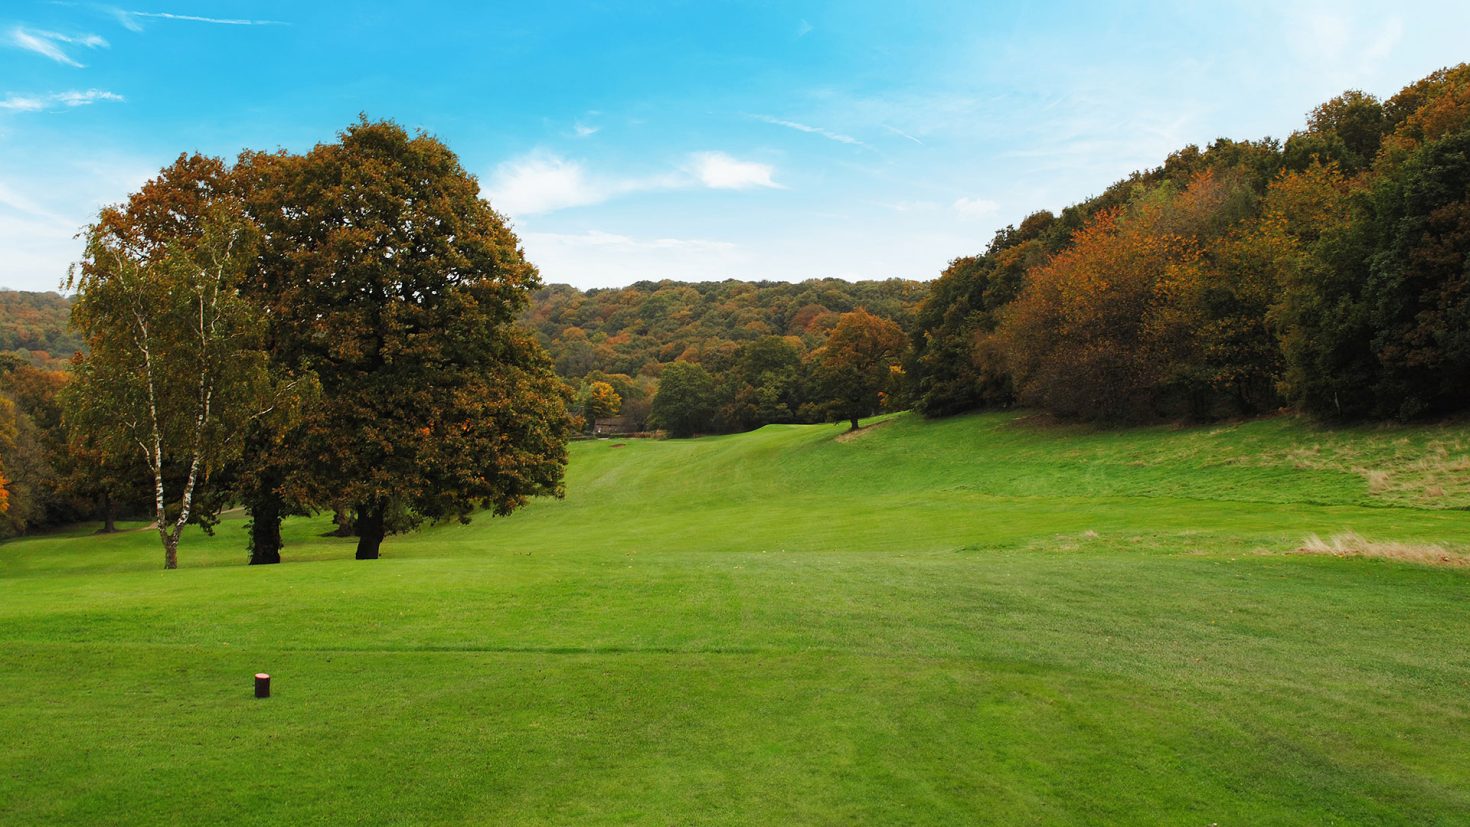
<point>755,339</point>
<point>685,402</point>
<point>951,364</point>
<point>393,283</point>
<point>1345,131</point>
<point>175,369</point>
<point>1417,292</point>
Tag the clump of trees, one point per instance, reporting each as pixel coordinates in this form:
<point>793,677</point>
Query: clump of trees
<point>856,372</point>
<point>758,343</point>
<point>1328,273</point>
<point>331,330</point>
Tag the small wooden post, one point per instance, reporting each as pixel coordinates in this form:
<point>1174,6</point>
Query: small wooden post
<point>262,685</point>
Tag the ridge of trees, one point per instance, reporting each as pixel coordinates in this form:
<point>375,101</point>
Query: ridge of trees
<point>1328,273</point>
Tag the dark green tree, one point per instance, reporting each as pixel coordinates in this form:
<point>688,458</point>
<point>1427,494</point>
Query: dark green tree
<point>685,401</point>
<point>391,281</point>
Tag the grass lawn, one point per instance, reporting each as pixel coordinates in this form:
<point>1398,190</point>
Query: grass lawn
<point>981,620</point>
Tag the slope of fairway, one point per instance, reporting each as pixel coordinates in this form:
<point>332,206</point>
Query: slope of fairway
<point>981,620</point>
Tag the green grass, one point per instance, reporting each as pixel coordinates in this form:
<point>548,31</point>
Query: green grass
<point>982,620</point>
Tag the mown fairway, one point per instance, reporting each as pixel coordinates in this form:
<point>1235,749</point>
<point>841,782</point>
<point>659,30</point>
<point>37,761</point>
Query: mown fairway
<point>982,620</point>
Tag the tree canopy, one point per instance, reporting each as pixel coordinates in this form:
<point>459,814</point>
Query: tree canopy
<point>391,281</point>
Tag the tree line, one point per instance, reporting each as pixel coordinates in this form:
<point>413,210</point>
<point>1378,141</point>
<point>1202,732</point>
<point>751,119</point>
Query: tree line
<point>1327,273</point>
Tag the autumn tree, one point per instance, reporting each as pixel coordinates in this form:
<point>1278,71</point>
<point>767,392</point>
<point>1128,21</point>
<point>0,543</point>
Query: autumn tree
<point>859,364</point>
<point>389,279</point>
<point>175,368</point>
<point>598,399</point>
<point>37,462</point>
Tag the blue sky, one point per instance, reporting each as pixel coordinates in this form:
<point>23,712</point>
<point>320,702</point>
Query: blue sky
<point>693,140</point>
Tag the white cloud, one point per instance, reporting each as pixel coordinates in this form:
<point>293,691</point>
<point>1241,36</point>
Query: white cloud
<point>975,207</point>
<point>129,19</point>
<point>90,96</point>
<point>22,103</point>
<point>542,182</point>
<point>814,130</point>
<point>49,44</point>
<point>804,28</point>
<point>583,130</point>
<point>717,170</point>
<point>71,98</point>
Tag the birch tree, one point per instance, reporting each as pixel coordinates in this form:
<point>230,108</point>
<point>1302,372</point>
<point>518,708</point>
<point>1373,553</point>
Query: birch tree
<point>175,369</point>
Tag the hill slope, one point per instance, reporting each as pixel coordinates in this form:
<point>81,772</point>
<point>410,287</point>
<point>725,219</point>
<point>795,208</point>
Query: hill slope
<point>982,620</point>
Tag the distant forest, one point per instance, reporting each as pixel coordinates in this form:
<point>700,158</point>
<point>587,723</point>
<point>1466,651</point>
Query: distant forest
<point>33,328</point>
<point>755,340</point>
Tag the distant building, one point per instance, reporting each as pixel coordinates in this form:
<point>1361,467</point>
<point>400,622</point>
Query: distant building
<point>612,426</point>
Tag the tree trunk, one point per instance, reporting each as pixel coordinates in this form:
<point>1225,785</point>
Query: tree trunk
<point>854,421</point>
<point>265,531</point>
<point>345,527</point>
<point>370,529</point>
<point>171,552</point>
<point>109,515</point>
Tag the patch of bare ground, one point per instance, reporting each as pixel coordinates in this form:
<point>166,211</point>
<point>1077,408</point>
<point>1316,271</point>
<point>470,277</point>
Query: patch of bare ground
<point>1352,544</point>
<point>849,436</point>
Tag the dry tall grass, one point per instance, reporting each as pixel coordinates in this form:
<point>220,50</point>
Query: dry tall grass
<point>1352,544</point>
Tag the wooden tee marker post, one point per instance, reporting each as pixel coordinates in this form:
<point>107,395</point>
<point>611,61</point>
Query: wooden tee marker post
<point>262,685</point>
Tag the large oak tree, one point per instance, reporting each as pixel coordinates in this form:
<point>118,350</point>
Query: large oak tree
<point>386,276</point>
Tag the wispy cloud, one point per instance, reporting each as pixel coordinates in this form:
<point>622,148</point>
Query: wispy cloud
<point>71,98</point>
<point>804,28</point>
<point>717,170</point>
<point>901,133</point>
<point>814,130</point>
<point>51,44</point>
<point>543,182</point>
<point>583,130</point>
<point>133,19</point>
